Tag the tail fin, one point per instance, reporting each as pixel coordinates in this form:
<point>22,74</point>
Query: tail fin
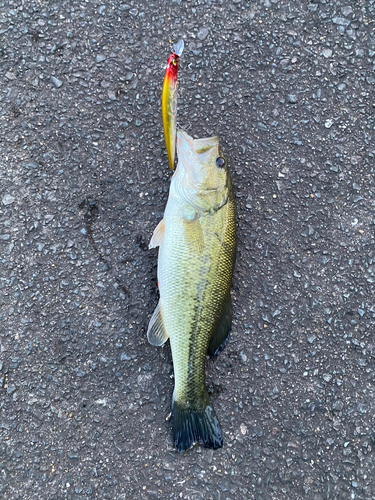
<point>192,426</point>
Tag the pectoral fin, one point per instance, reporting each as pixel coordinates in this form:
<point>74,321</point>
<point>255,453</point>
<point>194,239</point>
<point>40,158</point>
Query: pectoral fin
<point>220,336</point>
<point>156,333</point>
<point>194,235</point>
<point>158,235</point>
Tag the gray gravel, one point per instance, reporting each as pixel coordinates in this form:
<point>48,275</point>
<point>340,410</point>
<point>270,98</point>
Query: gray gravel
<point>289,88</point>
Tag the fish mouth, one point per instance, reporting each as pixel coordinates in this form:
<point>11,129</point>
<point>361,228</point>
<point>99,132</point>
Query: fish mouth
<point>186,144</point>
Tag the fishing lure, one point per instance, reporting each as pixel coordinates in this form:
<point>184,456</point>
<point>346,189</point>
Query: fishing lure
<point>169,101</point>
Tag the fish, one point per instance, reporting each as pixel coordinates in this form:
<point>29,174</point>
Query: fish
<point>169,101</point>
<point>197,249</point>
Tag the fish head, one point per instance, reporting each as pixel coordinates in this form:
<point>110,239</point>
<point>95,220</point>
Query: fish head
<point>203,178</point>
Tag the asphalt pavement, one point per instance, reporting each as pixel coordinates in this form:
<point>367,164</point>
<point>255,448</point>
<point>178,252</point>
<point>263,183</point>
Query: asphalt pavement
<point>84,178</point>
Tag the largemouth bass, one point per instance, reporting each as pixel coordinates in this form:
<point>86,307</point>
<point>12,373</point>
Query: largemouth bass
<point>196,240</point>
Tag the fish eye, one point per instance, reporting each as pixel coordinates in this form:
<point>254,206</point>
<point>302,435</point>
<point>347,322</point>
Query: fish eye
<point>220,162</point>
<point>174,62</point>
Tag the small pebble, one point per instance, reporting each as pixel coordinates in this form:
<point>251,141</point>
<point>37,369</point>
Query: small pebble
<point>341,21</point>
<point>346,10</point>
<point>48,218</point>
<point>8,199</point>
<point>327,53</point>
<point>56,82</point>
<point>104,267</point>
<point>203,33</point>
<point>11,389</point>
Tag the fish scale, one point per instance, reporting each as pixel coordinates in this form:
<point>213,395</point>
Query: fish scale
<point>191,308</point>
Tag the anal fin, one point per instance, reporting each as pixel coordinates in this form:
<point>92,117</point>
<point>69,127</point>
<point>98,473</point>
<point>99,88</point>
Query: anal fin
<point>220,336</point>
<point>156,333</point>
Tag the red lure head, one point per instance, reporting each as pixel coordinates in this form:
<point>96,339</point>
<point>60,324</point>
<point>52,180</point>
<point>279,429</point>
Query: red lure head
<point>172,64</point>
